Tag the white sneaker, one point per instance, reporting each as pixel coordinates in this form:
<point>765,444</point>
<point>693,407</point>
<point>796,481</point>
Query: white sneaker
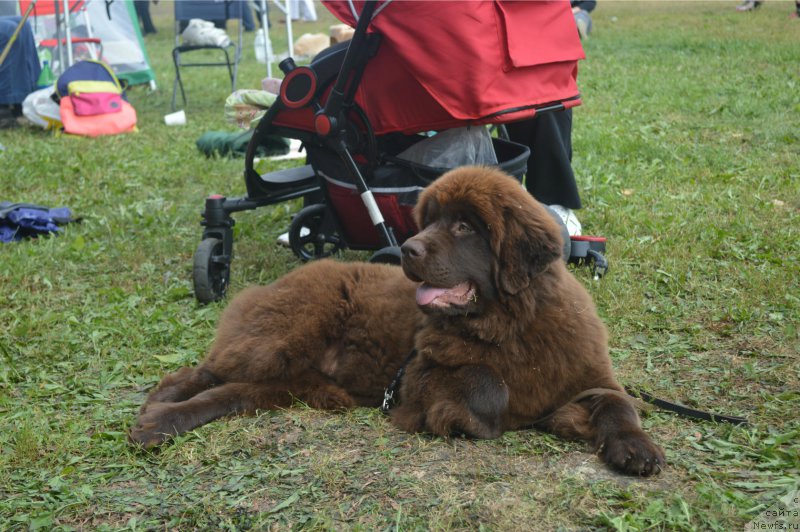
<point>584,23</point>
<point>569,219</point>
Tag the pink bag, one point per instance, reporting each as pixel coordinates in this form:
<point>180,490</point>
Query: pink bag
<point>123,121</point>
<point>96,103</point>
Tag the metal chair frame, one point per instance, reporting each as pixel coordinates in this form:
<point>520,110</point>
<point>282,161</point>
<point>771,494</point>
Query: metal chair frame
<point>183,13</point>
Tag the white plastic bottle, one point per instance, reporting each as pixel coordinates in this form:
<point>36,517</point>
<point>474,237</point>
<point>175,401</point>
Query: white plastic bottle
<point>261,53</point>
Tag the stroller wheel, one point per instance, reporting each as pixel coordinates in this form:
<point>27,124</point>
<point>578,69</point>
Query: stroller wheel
<point>307,236</point>
<point>211,271</point>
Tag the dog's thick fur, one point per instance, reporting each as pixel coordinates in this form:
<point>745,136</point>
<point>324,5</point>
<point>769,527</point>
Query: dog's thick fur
<point>506,337</point>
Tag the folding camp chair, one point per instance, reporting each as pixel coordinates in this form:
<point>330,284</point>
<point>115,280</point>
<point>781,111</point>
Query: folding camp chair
<point>211,10</point>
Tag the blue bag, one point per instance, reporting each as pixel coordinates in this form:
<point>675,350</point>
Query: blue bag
<point>88,72</point>
<point>20,220</point>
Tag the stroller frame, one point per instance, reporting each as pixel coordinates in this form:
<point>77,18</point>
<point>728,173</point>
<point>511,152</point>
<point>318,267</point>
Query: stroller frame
<point>339,125</point>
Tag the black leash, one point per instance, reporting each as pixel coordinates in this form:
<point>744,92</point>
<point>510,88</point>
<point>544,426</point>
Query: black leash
<point>685,411</point>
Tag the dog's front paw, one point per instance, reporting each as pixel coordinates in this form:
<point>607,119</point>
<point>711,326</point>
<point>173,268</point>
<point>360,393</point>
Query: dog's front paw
<point>447,418</point>
<point>632,453</point>
<point>408,419</point>
<point>154,426</point>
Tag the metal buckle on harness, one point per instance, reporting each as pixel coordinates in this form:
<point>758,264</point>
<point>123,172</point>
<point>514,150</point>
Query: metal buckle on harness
<point>388,393</point>
<point>388,401</point>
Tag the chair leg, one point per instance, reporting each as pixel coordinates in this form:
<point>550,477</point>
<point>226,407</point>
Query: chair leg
<point>174,91</point>
<point>178,81</point>
<point>230,70</point>
<point>235,70</point>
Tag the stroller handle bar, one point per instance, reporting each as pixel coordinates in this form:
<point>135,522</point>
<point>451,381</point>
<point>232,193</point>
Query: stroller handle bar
<point>373,15</point>
<point>326,120</point>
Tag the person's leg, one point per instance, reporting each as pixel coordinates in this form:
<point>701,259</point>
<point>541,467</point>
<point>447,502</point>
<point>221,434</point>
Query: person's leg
<point>247,16</point>
<point>748,5</point>
<point>138,6</point>
<point>147,22</point>
<point>259,14</point>
<point>550,178</point>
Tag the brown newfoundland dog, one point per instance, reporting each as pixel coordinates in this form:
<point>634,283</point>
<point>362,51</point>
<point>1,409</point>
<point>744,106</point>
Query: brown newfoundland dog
<point>505,337</point>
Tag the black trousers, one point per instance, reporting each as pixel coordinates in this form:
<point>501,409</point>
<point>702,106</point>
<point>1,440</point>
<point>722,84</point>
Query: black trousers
<point>143,11</point>
<point>550,178</point>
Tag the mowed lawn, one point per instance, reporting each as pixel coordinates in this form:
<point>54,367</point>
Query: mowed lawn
<point>687,152</point>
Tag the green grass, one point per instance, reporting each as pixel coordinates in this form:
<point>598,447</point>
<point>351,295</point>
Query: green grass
<point>687,150</point>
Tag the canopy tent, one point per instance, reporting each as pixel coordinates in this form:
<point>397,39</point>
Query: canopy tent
<point>113,23</point>
<point>123,46</point>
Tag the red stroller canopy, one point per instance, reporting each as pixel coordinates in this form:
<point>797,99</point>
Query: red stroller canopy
<point>444,64</point>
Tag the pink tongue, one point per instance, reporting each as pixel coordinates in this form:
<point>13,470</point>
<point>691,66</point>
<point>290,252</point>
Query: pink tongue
<point>426,294</point>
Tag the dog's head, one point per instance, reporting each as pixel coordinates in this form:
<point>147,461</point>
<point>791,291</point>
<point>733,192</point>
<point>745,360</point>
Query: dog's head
<point>482,237</point>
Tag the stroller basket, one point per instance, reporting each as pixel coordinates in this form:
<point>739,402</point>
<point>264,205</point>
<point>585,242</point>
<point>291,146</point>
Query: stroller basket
<point>396,184</point>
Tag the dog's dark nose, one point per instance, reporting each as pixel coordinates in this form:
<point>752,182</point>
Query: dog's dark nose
<point>413,249</point>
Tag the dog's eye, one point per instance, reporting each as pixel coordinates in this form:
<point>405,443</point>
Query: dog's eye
<point>462,228</point>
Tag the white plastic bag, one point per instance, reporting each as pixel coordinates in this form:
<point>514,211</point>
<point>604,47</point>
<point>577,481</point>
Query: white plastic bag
<point>263,47</point>
<point>40,109</point>
<point>452,148</point>
<point>201,32</point>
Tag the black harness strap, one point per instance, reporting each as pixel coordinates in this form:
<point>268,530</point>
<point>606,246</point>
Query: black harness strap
<point>389,399</point>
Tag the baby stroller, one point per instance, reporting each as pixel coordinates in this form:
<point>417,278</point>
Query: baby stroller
<point>410,68</point>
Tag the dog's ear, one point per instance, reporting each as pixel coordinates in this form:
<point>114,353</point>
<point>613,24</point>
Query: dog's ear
<point>525,245</point>
<point>426,209</point>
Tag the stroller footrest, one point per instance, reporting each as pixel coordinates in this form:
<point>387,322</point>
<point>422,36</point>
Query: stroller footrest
<point>291,176</point>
